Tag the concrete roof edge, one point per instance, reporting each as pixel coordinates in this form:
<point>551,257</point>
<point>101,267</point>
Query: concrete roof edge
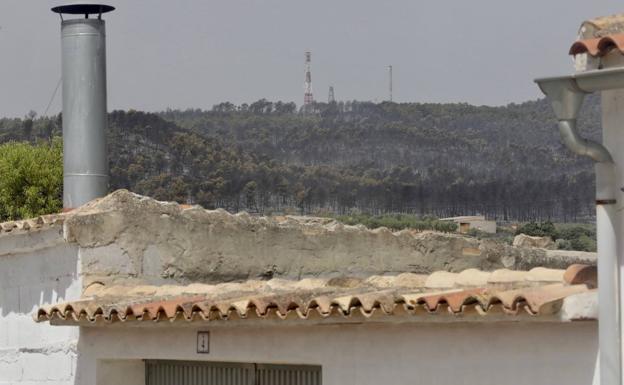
<point>578,307</point>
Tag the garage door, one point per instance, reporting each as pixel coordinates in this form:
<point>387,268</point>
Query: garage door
<point>288,375</point>
<point>227,373</point>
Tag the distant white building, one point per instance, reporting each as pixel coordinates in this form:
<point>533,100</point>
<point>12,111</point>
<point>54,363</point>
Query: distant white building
<point>477,222</point>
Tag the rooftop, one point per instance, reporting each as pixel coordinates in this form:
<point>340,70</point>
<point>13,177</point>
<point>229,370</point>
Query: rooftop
<point>145,260</point>
<point>600,36</point>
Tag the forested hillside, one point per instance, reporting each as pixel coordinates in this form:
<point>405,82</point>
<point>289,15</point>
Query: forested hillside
<point>428,159</point>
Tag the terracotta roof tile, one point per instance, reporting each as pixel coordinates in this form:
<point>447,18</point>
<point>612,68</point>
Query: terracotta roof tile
<point>611,42</point>
<point>314,298</point>
<point>576,274</point>
<point>589,46</point>
<point>598,46</point>
<point>473,277</point>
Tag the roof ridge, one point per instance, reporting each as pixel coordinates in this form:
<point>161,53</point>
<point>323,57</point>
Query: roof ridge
<point>438,280</point>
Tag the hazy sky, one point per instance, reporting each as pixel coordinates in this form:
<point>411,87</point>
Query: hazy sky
<point>184,53</point>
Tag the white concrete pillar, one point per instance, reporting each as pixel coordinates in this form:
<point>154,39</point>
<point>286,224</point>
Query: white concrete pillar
<point>613,138</point>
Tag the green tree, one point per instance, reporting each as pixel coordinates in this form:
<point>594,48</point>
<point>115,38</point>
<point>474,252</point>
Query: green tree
<point>250,194</point>
<point>429,159</point>
<point>31,179</point>
<point>28,123</point>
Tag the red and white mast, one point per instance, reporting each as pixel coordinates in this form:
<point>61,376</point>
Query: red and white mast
<point>308,99</point>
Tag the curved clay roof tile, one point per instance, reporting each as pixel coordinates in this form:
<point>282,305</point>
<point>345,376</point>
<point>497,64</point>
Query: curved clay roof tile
<point>610,42</point>
<point>599,46</point>
<point>589,46</point>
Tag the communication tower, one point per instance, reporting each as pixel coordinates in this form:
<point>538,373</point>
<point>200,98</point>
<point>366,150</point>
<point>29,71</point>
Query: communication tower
<point>308,99</point>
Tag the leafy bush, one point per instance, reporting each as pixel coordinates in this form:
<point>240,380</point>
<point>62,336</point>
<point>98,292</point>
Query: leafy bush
<point>502,234</point>
<point>581,237</point>
<point>538,229</point>
<point>583,243</point>
<point>398,222</point>
<point>564,244</point>
<point>575,231</point>
<point>31,179</point>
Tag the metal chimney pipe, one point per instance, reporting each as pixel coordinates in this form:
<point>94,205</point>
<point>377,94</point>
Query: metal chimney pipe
<point>83,62</point>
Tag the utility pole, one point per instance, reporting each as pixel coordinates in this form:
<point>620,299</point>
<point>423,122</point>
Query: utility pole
<point>390,82</point>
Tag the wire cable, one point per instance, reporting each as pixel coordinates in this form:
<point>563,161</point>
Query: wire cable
<point>53,96</point>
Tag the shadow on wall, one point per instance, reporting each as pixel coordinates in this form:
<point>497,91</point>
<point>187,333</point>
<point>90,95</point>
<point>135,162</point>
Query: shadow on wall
<point>37,276</point>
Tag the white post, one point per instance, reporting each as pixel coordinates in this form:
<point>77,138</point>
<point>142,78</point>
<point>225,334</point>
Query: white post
<point>610,267</point>
<point>609,318</point>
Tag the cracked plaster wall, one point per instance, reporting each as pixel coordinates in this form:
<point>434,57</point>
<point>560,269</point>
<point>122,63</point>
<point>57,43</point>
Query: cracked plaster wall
<point>36,267</point>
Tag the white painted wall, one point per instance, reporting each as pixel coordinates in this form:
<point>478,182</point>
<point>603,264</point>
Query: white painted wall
<point>36,268</point>
<point>361,354</point>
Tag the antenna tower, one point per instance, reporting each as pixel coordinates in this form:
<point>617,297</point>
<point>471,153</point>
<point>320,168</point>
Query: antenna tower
<point>331,98</point>
<point>308,99</point>
<point>390,82</point>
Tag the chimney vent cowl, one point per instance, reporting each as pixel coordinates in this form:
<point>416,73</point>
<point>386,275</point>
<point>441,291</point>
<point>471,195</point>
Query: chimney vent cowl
<point>83,8</point>
<point>85,120</point>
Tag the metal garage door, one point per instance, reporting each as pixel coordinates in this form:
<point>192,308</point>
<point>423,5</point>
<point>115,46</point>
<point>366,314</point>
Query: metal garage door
<point>288,375</point>
<point>225,373</point>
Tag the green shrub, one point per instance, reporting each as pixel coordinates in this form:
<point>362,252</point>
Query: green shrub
<point>583,243</point>
<point>564,244</point>
<point>575,231</point>
<point>568,236</point>
<point>541,229</point>
<point>31,179</point>
<point>398,222</point>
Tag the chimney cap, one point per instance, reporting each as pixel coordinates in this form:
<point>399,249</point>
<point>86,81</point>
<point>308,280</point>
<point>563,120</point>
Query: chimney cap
<point>83,8</point>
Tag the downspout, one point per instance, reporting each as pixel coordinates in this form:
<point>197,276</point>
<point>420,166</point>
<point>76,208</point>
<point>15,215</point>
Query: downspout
<point>578,145</point>
<point>566,95</point>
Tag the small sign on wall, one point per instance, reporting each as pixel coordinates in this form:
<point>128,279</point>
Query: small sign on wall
<point>203,342</point>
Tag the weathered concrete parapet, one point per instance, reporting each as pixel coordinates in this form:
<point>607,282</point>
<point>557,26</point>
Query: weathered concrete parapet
<point>127,236</point>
